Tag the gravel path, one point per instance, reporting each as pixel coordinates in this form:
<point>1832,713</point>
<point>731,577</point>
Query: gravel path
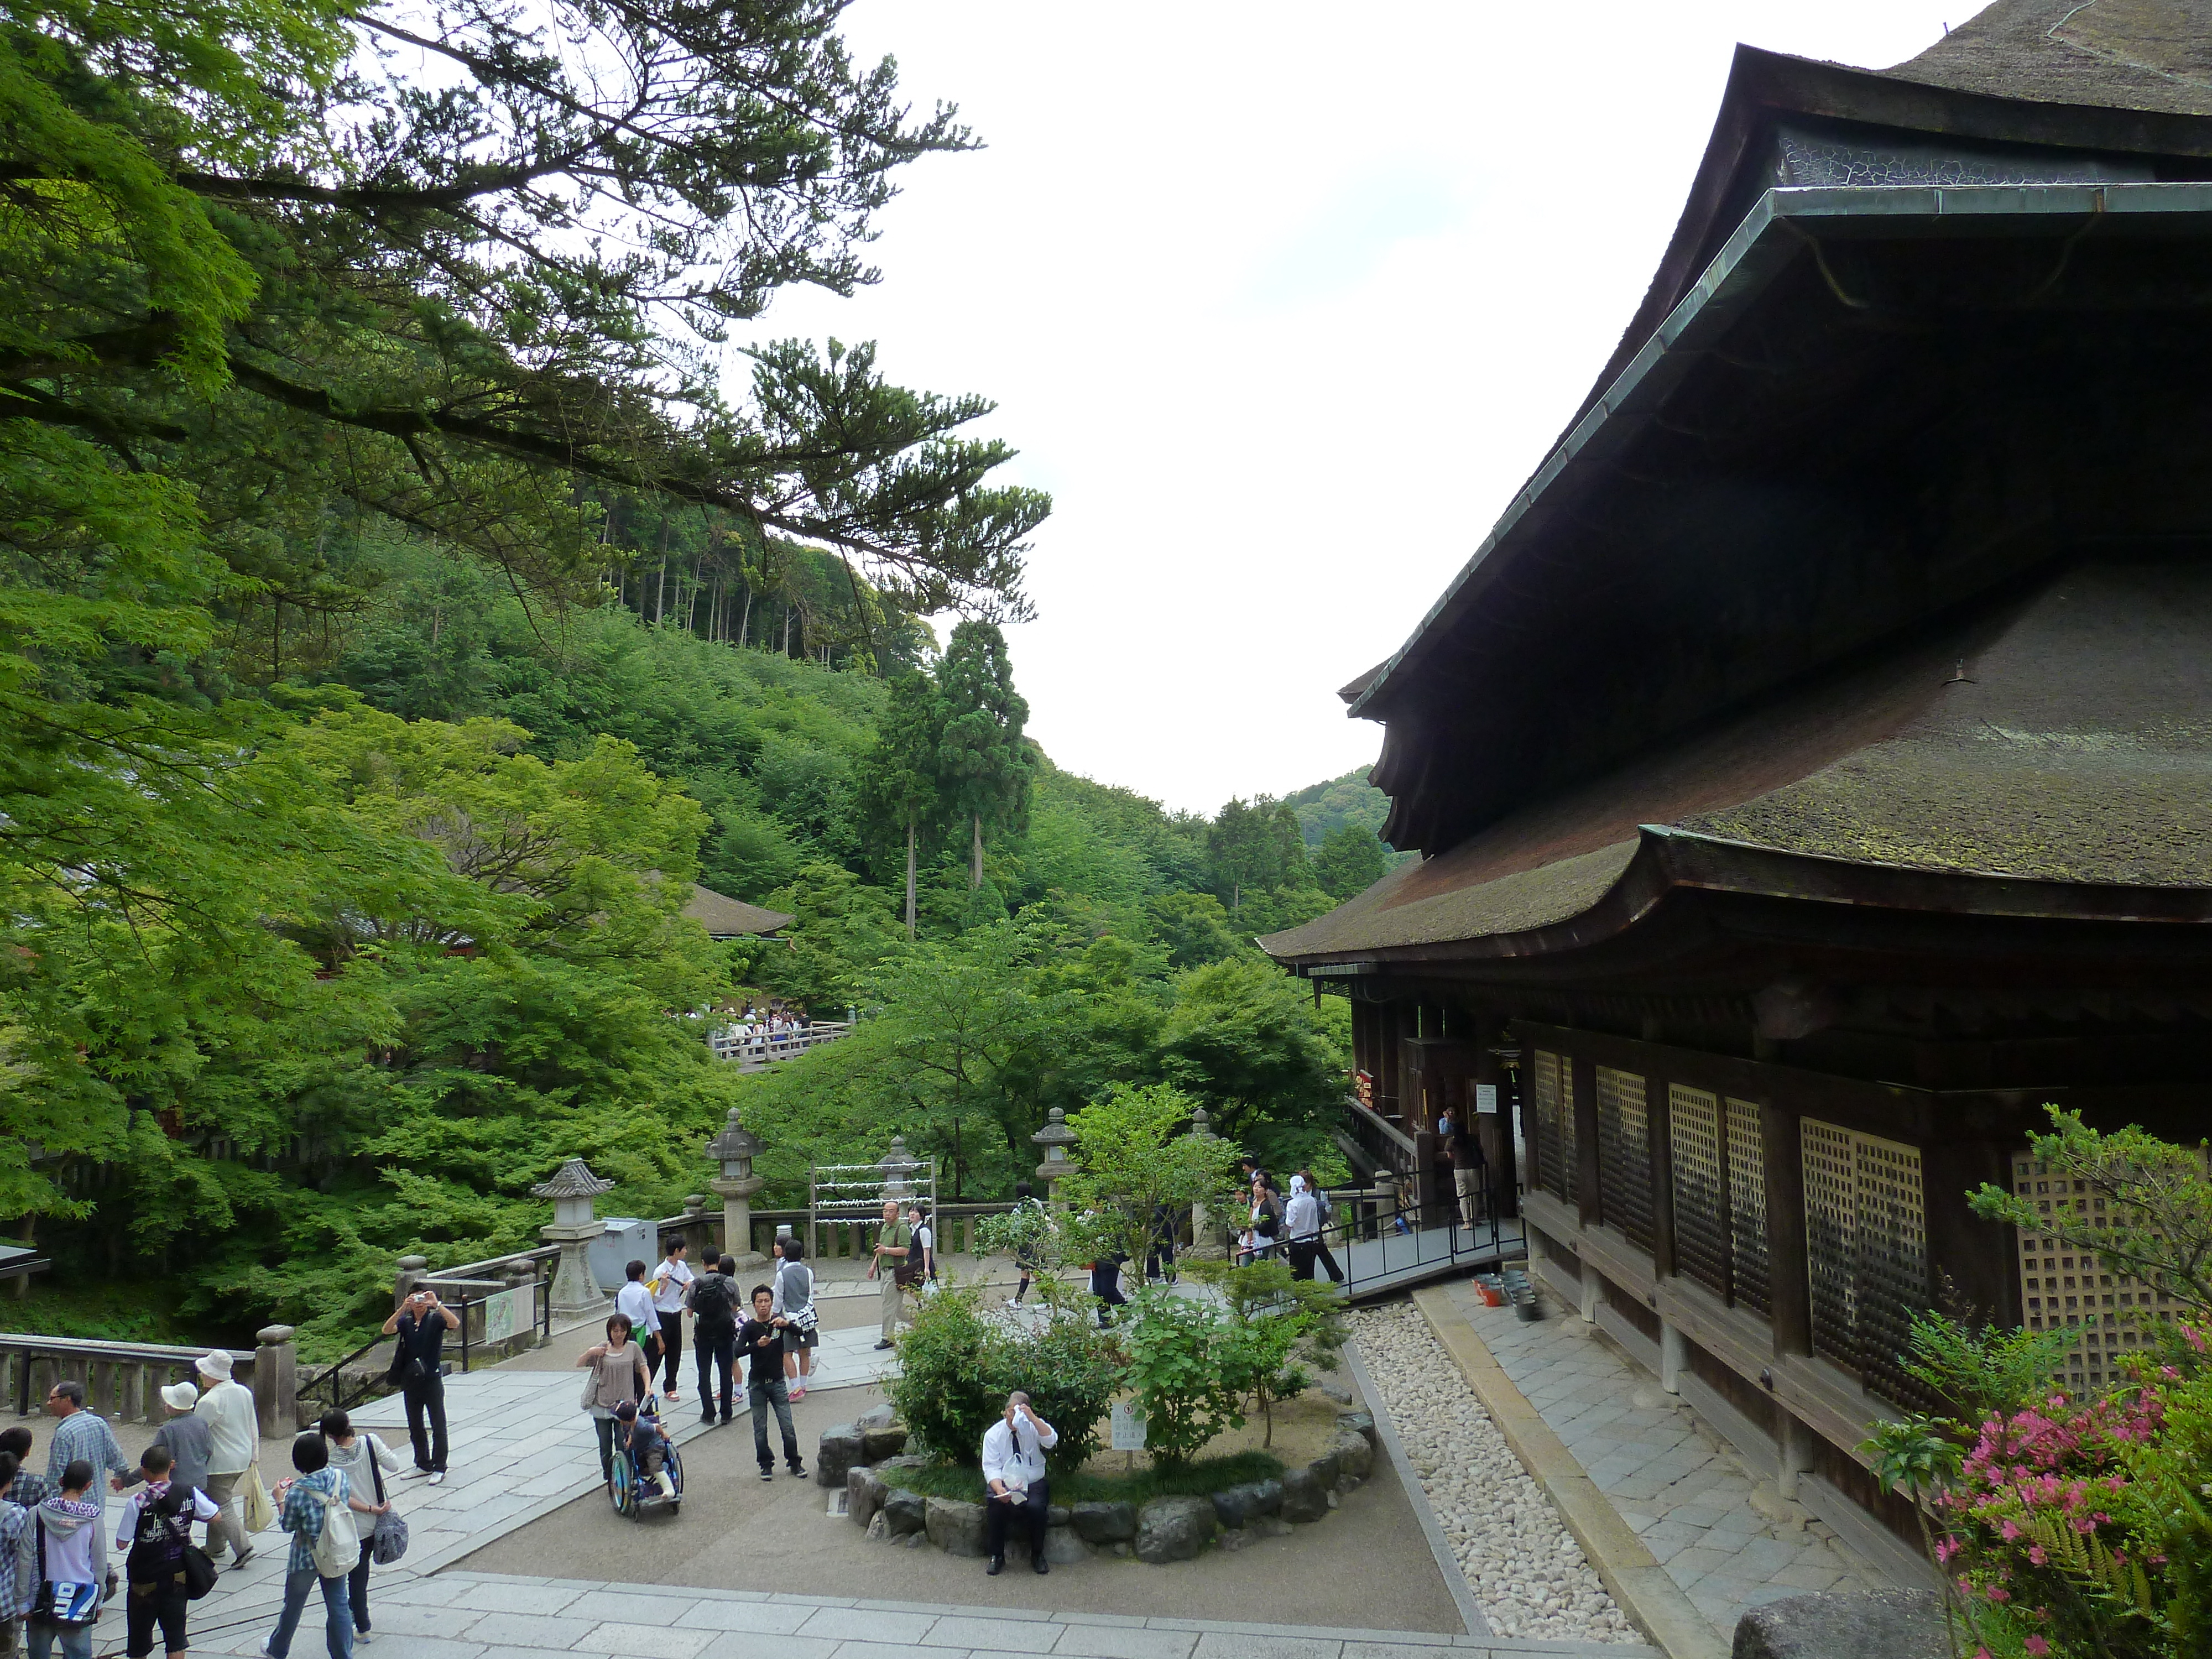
<point>1525,1567</point>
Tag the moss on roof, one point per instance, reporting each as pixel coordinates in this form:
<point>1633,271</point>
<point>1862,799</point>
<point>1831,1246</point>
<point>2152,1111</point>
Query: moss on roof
<point>2121,54</point>
<point>2071,741</point>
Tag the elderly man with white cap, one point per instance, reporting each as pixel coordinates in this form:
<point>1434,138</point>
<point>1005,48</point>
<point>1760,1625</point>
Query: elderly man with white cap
<point>234,1436</point>
<point>189,1442</point>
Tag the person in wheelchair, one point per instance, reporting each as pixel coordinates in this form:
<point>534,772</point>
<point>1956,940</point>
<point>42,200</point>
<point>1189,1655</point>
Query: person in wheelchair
<point>640,1436</point>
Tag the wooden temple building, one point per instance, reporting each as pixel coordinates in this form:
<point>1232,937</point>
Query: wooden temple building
<point>1812,769</point>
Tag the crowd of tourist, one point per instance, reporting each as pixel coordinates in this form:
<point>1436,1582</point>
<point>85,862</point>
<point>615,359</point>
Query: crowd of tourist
<point>759,1033</point>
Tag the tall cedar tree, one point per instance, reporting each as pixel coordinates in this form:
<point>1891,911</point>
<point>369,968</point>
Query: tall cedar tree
<point>898,795</point>
<point>983,764</point>
<point>1255,847</point>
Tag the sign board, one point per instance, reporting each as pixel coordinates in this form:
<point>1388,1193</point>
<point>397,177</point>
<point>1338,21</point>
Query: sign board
<point>1486,1100</point>
<point>499,1316</point>
<point>1128,1427</point>
<point>1362,1086</point>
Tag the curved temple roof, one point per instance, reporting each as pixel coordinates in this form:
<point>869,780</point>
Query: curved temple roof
<point>1660,570</point>
<point>2064,736</point>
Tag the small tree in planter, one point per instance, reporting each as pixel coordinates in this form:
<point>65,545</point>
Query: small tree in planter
<point>1278,1322</point>
<point>1137,1166</point>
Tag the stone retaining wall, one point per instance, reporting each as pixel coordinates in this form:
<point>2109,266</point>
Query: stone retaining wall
<point>856,1455</point>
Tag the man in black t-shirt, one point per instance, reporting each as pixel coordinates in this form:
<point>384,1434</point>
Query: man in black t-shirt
<point>713,1298</point>
<point>760,1339</point>
<point>421,1323</point>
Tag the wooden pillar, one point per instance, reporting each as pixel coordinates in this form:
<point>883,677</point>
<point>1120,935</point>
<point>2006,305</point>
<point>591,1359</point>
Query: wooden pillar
<point>1790,1296</point>
<point>1495,1130</point>
<point>1659,1132</point>
<point>1581,1075</point>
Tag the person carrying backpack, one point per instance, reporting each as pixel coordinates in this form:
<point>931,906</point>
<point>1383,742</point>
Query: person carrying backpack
<point>714,1302</point>
<point>317,1507</point>
<point>155,1528</point>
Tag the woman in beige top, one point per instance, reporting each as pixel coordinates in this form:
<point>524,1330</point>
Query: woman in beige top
<point>618,1373</point>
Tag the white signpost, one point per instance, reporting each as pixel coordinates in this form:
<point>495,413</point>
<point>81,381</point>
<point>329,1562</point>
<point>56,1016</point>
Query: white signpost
<point>1128,1427</point>
<point>1486,1100</point>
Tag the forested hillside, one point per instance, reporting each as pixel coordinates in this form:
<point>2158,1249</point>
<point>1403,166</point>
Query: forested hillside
<point>401,607</point>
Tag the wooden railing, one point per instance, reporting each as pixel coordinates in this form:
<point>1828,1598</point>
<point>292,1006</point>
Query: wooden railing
<point>765,1048</point>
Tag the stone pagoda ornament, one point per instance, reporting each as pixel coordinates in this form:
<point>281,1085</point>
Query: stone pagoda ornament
<point>899,1167</point>
<point>575,1226</point>
<point>1055,1138</point>
<point>734,1149</point>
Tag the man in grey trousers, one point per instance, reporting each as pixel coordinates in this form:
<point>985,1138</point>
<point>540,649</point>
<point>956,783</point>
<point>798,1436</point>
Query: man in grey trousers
<point>891,1254</point>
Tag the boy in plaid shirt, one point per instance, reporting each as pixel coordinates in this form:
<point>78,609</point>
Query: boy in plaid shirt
<point>300,1512</point>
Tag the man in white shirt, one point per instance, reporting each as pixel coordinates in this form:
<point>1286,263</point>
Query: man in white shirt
<point>1301,1227</point>
<point>668,1288</point>
<point>234,1433</point>
<point>1013,1468</point>
<point>634,1303</point>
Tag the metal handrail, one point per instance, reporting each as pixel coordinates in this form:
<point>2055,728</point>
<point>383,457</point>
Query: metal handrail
<point>340,1401</point>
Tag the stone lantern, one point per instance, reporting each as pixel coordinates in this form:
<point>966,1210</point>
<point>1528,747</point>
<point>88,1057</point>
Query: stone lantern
<point>734,1149</point>
<point>1055,1138</point>
<point>575,1226</point>
<point>898,1166</point>
<point>1202,1245</point>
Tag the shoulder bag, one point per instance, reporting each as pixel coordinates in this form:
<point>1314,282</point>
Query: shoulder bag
<point>389,1542</point>
<point>62,1602</point>
<point>253,1500</point>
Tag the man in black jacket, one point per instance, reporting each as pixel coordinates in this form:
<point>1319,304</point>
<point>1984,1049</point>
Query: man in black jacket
<point>715,1333</point>
<point>417,1363</point>
<point>761,1339</point>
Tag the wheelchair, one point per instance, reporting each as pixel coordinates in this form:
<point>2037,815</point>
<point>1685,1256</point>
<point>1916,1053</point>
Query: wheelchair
<point>633,1494</point>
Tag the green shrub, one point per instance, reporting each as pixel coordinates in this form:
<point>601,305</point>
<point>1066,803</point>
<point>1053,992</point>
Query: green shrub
<point>1185,1366</point>
<point>956,1368</point>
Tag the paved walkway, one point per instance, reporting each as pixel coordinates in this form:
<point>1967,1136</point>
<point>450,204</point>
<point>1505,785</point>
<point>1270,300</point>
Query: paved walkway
<point>460,1615</point>
<point>1719,1531</point>
<point>521,1449</point>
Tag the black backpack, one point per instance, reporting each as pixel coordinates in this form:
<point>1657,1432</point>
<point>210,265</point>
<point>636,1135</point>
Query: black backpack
<point>157,1552</point>
<point>714,1299</point>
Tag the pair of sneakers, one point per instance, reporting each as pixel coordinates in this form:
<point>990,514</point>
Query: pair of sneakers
<point>798,1471</point>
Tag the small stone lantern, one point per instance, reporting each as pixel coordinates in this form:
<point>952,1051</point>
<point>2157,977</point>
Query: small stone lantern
<point>1055,1138</point>
<point>734,1149</point>
<point>571,1190</point>
<point>898,1166</point>
<point>1203,1246</point>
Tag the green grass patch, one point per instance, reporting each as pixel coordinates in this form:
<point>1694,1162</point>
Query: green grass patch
<point>1195,1479</point>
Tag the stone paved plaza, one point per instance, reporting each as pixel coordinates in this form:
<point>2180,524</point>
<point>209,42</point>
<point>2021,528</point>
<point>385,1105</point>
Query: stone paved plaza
<point>1727,1543</point>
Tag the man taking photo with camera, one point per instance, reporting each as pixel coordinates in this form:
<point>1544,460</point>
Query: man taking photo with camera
<point>421,1323</point>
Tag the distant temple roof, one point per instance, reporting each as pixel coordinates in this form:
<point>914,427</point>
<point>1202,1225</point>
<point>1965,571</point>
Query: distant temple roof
<point>724,917</point>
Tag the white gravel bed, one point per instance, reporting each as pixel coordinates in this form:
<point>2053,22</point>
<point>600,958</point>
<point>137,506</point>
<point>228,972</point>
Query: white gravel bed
<point>1524,1566</point>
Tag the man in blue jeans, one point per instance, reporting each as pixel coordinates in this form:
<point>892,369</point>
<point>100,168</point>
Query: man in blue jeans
<point>301,1511</point>
<point>761,1340</point>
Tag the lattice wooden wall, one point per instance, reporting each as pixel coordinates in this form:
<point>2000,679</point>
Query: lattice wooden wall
<point>2107,1311</point>
<point>1866,1246</point>
<point>1832,1206</point>
<point>1701,1196</point>
<point>1747,1194</point>
<point>1893,1279</point>
<point>1623,1154</point>
<point>1555,1114</point>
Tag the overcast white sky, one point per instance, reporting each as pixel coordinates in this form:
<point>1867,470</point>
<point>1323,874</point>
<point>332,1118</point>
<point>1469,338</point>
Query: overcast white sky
<point>1281,302</point>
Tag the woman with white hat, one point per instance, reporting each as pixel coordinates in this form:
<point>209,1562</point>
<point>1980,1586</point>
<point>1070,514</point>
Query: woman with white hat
<point>227,1407</point>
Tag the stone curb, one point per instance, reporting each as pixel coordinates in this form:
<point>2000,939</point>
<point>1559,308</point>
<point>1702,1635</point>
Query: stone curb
<point>1634,1579</point>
